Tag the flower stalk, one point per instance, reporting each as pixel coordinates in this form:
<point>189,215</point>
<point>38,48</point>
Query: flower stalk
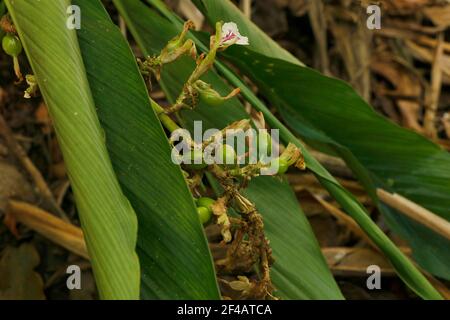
<point>194,89</point>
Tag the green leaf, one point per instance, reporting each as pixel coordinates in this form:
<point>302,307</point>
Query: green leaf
<point>376,165</point>
<point>326,111</point>
<point>300,271</point>
<point>108,221</point>
<point>2,11</point>
<point>406,270</point>
<point>174,256</point>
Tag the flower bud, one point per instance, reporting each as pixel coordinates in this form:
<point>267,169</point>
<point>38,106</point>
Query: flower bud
<point>204,214</point>
<point>205,202</point>
<point>32,86</point>
<point>11,45</point>
<point>210,96</point>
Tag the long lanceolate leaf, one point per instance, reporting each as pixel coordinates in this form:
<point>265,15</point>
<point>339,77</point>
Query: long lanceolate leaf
<point>108,220</point>
<point>406,270</point>
<point>300,271</point>
<point>380,153</point>
<point>174,256</point>
<point>175,260</point>
<point>337,119</point>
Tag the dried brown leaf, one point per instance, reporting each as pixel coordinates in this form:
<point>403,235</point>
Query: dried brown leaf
<point>18,280</point>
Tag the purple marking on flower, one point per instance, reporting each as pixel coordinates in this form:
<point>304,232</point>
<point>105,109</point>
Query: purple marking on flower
<point>230,35</point>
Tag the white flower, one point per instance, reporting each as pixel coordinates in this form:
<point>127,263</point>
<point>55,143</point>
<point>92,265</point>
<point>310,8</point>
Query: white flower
<point>230,35</point>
